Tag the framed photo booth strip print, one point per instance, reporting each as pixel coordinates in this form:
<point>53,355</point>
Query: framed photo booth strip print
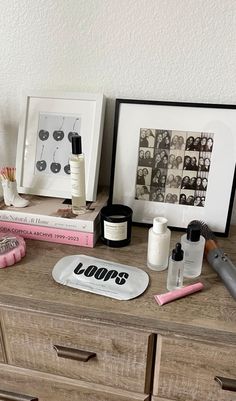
<point>175,160</point>
<point>44,142</point>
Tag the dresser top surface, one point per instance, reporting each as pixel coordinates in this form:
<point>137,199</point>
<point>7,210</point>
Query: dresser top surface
<point>29,285</point>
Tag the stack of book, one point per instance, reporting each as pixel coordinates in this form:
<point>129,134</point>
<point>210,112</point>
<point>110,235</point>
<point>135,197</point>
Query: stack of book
<point>50,219</point>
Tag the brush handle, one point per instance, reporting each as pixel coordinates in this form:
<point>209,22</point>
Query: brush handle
<point>224,268</point>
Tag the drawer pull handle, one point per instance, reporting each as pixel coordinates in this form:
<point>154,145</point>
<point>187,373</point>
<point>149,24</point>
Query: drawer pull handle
<point>9,396</point>
<point>71,353</point>
<point>225,383</point>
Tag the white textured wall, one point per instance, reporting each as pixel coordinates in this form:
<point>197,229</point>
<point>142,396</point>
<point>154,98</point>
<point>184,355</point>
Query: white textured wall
<point>178,50</point>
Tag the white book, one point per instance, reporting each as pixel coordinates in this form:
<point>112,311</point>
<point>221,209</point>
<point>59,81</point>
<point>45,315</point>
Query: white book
<point>52,212</point>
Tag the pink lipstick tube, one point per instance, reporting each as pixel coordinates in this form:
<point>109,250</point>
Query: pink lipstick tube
<point>162,299</point>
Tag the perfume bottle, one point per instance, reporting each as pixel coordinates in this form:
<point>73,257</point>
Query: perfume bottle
<point>193,245</point>
<point>158,244</point>
<point>175,269</point>
<point>77,170</point>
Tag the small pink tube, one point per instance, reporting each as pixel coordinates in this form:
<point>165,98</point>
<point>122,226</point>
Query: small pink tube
<point>180,293</point>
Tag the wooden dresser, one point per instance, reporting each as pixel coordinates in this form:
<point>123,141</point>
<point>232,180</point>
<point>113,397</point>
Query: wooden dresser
<point>62,344</point>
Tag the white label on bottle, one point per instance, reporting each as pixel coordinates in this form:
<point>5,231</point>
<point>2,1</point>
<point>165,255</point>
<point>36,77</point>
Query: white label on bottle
<point>115,231</point>
<point>77,178</point>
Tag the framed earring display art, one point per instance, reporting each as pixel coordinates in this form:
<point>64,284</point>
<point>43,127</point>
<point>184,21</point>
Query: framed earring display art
<point>175,160</point>
<point>44,142</point>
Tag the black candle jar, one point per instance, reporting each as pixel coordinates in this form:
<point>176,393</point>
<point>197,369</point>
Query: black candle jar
<point>116,222</point>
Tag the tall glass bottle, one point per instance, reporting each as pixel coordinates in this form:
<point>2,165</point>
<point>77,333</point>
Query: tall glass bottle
<point>193,245</point>
<point>77,170</point>
<point>158,244</point>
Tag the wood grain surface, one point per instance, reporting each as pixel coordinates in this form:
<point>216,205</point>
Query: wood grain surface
<point>194,337</point>
<point>210,313</point>
<point>54,388</point>
<point>155,398</point>
<point>2,347</point>
<point>122,356</point>
<point>187,370</point>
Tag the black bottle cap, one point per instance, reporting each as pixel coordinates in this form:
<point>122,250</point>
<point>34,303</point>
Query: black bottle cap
<point>193,232</point>
<point>76,145</point>
<point>177,253</point>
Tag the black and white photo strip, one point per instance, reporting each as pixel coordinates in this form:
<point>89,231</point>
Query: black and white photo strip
<point>173,166</point>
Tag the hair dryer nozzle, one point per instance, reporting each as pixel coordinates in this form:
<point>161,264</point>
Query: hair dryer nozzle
<point>218,260</point>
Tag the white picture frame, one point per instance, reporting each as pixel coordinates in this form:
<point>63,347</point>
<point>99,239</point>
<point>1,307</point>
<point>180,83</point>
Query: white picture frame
<point>217,122</point>
<point>43,148</point>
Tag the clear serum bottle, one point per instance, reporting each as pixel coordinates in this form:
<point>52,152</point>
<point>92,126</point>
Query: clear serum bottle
<point>77,171</point>
<point>176,268</point>
<point>193,245</point>
<point>158,244</point>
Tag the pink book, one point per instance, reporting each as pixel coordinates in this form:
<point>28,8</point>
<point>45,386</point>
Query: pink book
<point>50,234</point>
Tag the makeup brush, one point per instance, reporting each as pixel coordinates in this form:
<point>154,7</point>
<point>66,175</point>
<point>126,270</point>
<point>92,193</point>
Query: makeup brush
<point>218,260</point>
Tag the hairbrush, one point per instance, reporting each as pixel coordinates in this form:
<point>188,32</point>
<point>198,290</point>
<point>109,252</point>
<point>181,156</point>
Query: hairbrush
<point>218,259</point>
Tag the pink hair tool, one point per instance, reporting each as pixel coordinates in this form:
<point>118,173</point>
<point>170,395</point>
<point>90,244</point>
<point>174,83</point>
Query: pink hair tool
<point>162,299</point>
<point>12,249</point>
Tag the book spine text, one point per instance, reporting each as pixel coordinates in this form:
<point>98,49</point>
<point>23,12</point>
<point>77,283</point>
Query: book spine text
<point>48,221</point>
<point>50,234</point>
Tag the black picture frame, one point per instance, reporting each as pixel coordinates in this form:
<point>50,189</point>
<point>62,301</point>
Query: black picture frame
<point>215,121</point>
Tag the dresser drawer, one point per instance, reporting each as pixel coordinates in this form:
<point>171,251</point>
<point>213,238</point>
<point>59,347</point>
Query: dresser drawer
<point>119,357</point>
<point>185,370</point>
<point>18,384</point>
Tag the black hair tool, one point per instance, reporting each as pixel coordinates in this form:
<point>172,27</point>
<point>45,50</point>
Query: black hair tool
<point>218,260</point>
